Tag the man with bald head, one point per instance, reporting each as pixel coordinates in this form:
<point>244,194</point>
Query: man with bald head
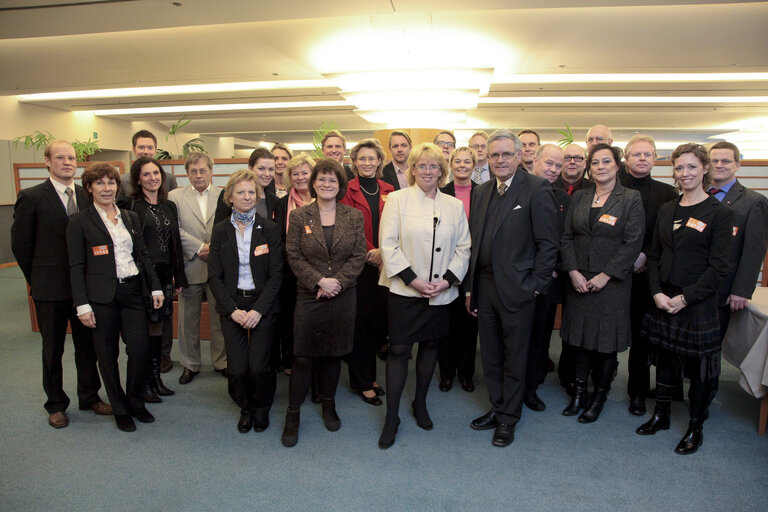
<point>547,164</point>
<point>599,134</point>
<point>639,155</point>
<point>574,163</point>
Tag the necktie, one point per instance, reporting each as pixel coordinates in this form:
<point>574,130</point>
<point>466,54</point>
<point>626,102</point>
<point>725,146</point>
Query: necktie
<point>571,188</point>
<point>477,176</point>
<point>714,191</point>
<point>71,207</point>
<point>502,188</point>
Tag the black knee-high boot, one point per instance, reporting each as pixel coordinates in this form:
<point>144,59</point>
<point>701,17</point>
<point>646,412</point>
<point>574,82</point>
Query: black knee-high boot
<point>156,382</point>
<point>699,395</point>
<point>603,377</point>
<point>661,413</point>
<point>150,392</point>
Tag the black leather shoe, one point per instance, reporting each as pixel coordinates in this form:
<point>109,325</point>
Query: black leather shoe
<point>291,431</point>
<point>223,372</point>
<point>374,400</point>
<point>485,422</point>
<point>143,415</point>
<point>533,402</point>
<point>504,435</point>
<point>166,364</point>
<point>637,406</point>
<point>125,422</point>
<point>379,390</point>
<point>467,385</point>
<point>388,435</point>
<point>445,385</point>
<point>187,375</point>
<point>656,423</point>
<point>595,407</point>
<point>150,396</point>
<point>245,423</point>
<point>693,438</point>
<point>261,420</point>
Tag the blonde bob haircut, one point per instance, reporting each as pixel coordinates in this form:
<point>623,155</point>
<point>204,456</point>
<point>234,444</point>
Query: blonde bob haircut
<point>300,159</point>
<point>467,149</point>
<point>427,151</point>
<point>239,177</point>
<point>370,144</point>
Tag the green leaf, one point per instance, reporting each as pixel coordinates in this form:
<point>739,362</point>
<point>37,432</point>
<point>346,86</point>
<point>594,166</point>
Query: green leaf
<point>317,137</point>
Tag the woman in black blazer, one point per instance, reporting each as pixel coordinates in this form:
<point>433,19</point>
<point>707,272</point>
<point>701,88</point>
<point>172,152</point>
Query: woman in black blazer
<point>457,351</point>
<point>111,275</point>
<point>159,226</point>
<point>602,238</point>
<point>686,264</point>
<point>244,273</point>
<point>262,163</point>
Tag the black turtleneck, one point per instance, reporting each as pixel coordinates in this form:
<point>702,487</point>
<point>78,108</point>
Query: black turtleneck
<point>642,185</point>
<point>368,185</point>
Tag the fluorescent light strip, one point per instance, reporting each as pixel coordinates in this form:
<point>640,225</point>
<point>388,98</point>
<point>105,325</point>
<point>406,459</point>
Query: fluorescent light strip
<point>621,99</point>
<point>177,89</point>
<point>221,108</point>
<point>629,77</point>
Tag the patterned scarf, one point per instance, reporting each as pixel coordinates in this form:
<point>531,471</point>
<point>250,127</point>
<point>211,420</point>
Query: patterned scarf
<point>294,201</point>
<point>244,218</point>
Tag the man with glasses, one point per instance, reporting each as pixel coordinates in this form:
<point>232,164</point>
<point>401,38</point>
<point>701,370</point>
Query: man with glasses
<point>446,142</point>
<point>531,142</point>
<point>478,142</point>
<point>575,162</point>
<point>599,134</point>
<point>399,147</point>
<point>511,264</point>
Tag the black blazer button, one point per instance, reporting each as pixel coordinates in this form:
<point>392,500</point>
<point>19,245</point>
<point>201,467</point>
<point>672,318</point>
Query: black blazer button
<point>437,249</point>
<point>436,276</point>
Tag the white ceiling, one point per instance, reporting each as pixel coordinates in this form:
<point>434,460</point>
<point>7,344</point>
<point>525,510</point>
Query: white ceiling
<point>44,48</point>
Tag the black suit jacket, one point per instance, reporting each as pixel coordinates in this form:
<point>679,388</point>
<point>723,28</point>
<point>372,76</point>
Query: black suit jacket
<point>39,240</point>
<point>389,175</point>
<point>94,275</point>
<point>525,241</point>
<point>266,261</point>
<point>696,261</point>
<point>750,241</point>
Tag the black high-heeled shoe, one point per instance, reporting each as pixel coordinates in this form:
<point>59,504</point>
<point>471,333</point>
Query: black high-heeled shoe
<point>422,417</point>
<point>379,390</point>
<point>372,400</point>
<point>388,435</point>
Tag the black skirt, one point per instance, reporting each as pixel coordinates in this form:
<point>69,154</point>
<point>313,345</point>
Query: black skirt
<point>324,327</point>
<point>412,319</point>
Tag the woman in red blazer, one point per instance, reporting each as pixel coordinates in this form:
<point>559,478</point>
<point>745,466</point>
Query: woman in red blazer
<point>367,192</point>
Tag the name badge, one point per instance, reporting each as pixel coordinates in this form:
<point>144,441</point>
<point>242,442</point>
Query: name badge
<point>261,249</point>
<point>695,224</point>
<point>735,230</point>
<point>384,198</point>
<point>307,229</point>
<point>608,219</point>
<point>100,250</point>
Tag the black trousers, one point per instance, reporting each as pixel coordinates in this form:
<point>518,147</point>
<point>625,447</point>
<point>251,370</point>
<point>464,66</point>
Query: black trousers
<point>458,350</point>
<point>125,316</point>
<point>252,378</point>
<point>538,355</point>
<point>638,367</point>
<point>370,329</point>
<point>504,340</point>
<point>283,354</point>
<point>52,317</point>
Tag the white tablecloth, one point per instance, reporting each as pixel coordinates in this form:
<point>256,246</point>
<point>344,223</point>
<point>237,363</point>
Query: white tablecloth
<point>746,344</point>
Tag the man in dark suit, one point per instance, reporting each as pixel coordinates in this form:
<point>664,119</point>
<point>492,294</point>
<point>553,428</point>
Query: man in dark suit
<point>38,241</point>
<point>750,231</point>
<point>547,164</point>
<point>399,147</point>
<point>514,250</point>
<point>640,154</point>
<point>574,163</point>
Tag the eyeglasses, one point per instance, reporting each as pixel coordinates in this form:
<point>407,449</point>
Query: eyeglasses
<point>575,158</point>
<point>445,144</point>
<point>505,155</point>
<point>424,167</point>
<point>478,146</point>
<point>590,140</point>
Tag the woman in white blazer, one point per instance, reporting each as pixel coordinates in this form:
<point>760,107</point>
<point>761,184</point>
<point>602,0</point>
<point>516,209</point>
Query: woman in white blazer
<point>425,246</point>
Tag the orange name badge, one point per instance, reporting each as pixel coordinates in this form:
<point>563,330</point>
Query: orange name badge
<point>608,219</point>
<point>695,224</point>
<point>100,250</point>
<point>735,230</point>
<point>261,249</point>
<point>307,229</point>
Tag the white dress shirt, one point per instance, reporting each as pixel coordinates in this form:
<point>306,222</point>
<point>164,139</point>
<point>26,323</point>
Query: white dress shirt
<point>61,190</point>
<point>244,275</point>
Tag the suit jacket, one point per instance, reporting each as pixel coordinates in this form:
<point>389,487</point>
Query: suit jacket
<point>612,243</point>
<point>406,241</point>
<point>696,261</point>
<point>94,276</point>
<point>450,189</point>
<point>39,240</point>
<point>308,255</point>
<point>356,199</point>
<point>266,266</point>
<point>525,240</point>
<point>750,241</point>
<point>389,175</point>
<point>224,212</point>
<point>194,229</point>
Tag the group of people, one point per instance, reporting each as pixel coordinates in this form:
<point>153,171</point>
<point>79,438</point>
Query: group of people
<point>307,263</point>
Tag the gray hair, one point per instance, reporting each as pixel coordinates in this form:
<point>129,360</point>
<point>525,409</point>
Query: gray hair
<point>504,133</point>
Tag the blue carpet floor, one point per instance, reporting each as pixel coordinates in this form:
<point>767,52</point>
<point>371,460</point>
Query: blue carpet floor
<point>192,458</point>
